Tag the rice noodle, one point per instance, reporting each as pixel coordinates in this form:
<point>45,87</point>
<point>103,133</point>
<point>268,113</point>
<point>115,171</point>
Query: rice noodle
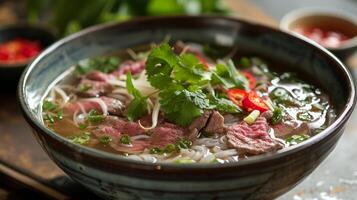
<point>154,116</point>
<point>226,153</point>
<point>139,137</point>
<point>101,103</point>
<point>62,93</point>
<point>132,54</point>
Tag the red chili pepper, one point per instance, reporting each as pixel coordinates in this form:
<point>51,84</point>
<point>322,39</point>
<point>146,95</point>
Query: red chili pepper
<point>202,61</point>
<point>18,50</point>
<point>236,95</point>
<point>251,79</point>
<point>254,102</point>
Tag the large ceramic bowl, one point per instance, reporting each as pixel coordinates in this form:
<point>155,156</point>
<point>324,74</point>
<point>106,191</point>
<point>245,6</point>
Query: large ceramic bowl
<point>262,177</point>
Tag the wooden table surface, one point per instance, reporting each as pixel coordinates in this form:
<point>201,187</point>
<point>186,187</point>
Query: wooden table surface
<point>25,170</point>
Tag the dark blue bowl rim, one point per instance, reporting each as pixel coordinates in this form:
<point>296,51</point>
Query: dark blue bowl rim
<point>332,129</point>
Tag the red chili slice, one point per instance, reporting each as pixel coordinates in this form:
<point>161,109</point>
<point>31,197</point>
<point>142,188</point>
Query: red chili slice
<point>252,81</point>
<point>254,102</point>
<point>202,61</point>
<point>236,96</point>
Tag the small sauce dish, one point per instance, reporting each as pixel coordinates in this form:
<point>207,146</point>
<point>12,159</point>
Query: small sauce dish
<point>335,30</point>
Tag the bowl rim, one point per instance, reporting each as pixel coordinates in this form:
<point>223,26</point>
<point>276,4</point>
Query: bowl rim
<point>296,14</point>
<point>39,27</point>
<point>338,123</point>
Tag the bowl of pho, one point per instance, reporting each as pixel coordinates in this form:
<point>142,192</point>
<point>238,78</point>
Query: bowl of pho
<point>186,108</point>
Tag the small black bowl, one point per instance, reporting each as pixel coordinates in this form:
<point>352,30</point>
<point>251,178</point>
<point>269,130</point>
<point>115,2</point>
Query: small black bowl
<point>10,73</point>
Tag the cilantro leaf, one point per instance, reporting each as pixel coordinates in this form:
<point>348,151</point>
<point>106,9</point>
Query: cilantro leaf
<point>190,70</point>
<point>137,106</point>
<point>228,75</point>
<point>159,66</point>
<point>224,105</point>
<point>103,64</point>
<point>181,106</point>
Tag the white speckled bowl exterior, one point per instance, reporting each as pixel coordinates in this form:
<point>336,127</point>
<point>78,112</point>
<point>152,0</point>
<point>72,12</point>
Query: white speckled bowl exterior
<point>260,177</point>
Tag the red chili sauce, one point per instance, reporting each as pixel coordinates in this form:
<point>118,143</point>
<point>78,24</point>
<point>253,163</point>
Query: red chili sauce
<point>325,37</point>
<point>18,50</point>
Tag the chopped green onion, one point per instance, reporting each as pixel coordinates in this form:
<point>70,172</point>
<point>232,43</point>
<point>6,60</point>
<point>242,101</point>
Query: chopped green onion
<point>250,119</point>
<point>125,139</point>
<point>80,139</point>
<point>84,87</point>
<point>244,62</point>
<point>305,116</point>
<point>60,114</point>
<point>94,117</point>
<point>277,116</point>
<point>83,126</point>
<point>48,106</point>
<point>183,144</point>
<point>296,139</point>
<point>169,148</point>
<point>184,161</point>
<point>47,117</point>
<point>155,150</point>
<point>105,139</point>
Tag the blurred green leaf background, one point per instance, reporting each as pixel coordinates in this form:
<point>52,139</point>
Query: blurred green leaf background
<point>69,16</point>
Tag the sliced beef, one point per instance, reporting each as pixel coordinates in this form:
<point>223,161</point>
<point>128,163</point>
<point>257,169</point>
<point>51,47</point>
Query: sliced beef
<point>99,76</point>
<point>136,146</point>
<point>252,139</point>
<point>166,133</point>
<point>291,127</point>
<point>197,125</point>
<point>92,88</point>
<point>115,107</point>
<point>123,126</point>
<point>133,67</point>
<point>215,124</point>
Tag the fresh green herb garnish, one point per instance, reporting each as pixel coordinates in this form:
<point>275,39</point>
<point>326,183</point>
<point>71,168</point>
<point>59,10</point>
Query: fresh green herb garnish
<point>48,106</point>
<point>296,139</point>
<point>305,116</point>
<point>95,117</point>
<point>84,87</point>
<point>80,139</point>
<point>228,75</point>
<point>125,139</point>
<point>244,62</point>
<point>105,139</point>
<point>103,64</point>
<point>60,114</point>
<point>224,105</point>
<point>183,144</point>
<point>83,126</point>
<point>277,116</point>
<point>137,106</point>
<point>176,102</point>
<point>169,148</point>
<point>155,150</point>
<point>185,161</point>
<point>48,118</point>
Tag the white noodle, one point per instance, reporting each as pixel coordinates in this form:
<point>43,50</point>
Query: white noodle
<point>226,153</point>
<point>132,54</point>
<point>126,145</point>
<point>74,118</point>
<point>63,94</point>
<point>154,116</point>
<point>139,137</point>
<point>82,108</point>
<point>101,103</point>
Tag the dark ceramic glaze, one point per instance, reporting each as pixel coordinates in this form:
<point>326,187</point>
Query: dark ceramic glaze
<point>261,177</point>
<point>10,73</point>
